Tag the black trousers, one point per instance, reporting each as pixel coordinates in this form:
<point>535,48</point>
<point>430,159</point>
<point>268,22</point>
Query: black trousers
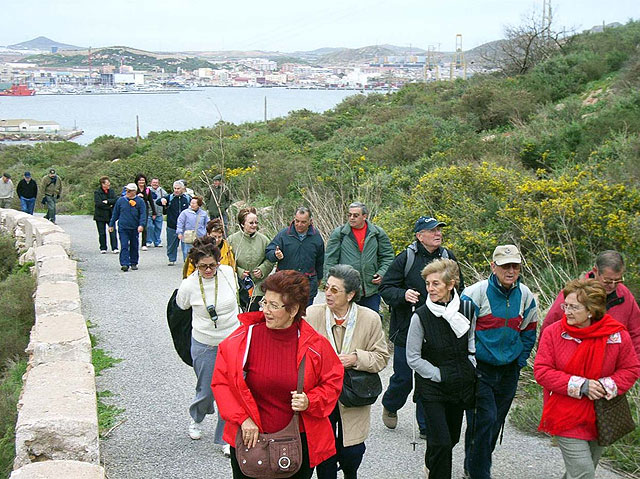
<point>349,457</point>
<point>102,236</point>
<point>305,471</point>
<point>443,433</point>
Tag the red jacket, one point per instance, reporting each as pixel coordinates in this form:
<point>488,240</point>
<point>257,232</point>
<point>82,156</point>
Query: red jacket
<point>322,384</point>
<point>556,349</point>
<point>624,309</point>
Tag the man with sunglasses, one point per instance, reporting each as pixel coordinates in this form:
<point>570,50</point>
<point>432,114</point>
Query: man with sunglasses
<point>621,305</point>
<point>299,247</point>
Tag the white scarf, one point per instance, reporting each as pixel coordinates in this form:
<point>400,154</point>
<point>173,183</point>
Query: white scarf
<point>458,321</point>
<point>350,326</point>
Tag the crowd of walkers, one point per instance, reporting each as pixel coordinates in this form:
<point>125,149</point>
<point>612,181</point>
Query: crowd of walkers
<point>268,360</point>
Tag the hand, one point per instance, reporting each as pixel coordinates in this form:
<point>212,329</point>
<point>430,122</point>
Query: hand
<point>180,237</point>
<point>245,274</point>
<point>249,432</point>
<point>411,296</point>
<point>257,273</point>
<point>163,201</point>
<point>140,195</point>
<point>153,217</point>
<point>299,402</point>
<point>110,229</point>
<point>279,253</point>
<point>105,201</point>
<point>140,229</point>
<point>377,279</point>
<point>596,391</point>
<point>348,360</point>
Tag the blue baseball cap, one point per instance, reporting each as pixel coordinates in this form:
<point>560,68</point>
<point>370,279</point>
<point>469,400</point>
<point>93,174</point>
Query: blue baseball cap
<point>27,174</point>
<point>427,223</point>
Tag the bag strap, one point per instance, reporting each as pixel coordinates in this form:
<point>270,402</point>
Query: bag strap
<point>301,374</point>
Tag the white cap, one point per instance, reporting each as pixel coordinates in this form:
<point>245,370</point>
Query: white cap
<point>131,187</point>
<point>506,254</point>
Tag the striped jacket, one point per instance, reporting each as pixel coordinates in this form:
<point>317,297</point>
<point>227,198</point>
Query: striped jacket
<point>507,320</point>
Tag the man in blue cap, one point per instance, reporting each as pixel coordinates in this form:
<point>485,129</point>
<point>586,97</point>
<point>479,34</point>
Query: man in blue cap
<point>27,192</point>
<point>404,290</point>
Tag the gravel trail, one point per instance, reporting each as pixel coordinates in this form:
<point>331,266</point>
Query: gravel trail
<point>155,387</point>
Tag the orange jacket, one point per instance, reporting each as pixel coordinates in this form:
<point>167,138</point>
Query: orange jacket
<point>322,384</point>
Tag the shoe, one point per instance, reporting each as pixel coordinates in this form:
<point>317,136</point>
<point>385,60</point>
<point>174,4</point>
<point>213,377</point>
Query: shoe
<point>158,246</point>
<point>423,435</point>
<point>172,263</point>
<point>124,268</point>
<point>134,267</point>
<point>194,430</point>
<point>103,251</point>
<point>116,251</point>
<point>148,244</point>
<point>226,450</point>
<point>390,419</point>
<point>144,248</point>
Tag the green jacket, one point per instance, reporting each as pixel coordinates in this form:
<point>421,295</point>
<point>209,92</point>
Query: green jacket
<point>376,256</point>
<point>221,197</point>
<point>49,187</point>
<point>249,254</point>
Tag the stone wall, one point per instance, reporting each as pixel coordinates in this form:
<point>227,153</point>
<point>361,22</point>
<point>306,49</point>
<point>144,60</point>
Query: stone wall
<point>57,428</point>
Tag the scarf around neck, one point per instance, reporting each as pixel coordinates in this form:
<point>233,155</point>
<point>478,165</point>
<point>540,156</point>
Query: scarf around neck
<point>451,314</point>
<point>561,412</point>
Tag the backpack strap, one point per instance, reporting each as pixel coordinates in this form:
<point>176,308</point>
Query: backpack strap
<point>411,257</point>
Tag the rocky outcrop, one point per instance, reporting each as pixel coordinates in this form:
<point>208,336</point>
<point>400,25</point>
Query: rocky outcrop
<point>57,427</point>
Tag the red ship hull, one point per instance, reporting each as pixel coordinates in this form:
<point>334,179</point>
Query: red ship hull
<point>18,90</point>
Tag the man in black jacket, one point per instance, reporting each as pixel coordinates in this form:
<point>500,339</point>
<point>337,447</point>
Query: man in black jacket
<point>103,199</point>
<point>27,192</point>
<point>174,204</point>
<point>299,247</point>
<point>404,290</point>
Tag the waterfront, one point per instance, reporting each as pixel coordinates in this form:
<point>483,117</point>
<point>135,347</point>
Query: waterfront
<point>116,114</point>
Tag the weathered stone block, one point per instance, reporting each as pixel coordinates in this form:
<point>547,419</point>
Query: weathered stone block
<point>50,251</point>
<point>57,298</point>
<point>59,470</point>
<point>62,239</point>
<point>56,269</point>
<point>13,218</point>
<point>32,224</point>
<point>57,414</point>
<point>45,228</point>
<point>28,256</point>
<point>61,337</point>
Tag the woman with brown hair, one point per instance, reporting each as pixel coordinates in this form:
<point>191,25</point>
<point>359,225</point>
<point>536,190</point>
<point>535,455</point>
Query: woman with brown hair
<point>584,357</point>
<point>215,232</point>
<point>252,266</point>
<point>257,368</point>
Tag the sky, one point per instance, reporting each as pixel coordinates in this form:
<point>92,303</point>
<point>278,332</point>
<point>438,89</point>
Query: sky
<point>288,25</point>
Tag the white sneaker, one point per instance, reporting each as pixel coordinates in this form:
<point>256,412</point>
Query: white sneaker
<point>144,248</point>
<point>103,251</point>
<point>195,432</point>
<point>116,251</point>
<point>226,450</point>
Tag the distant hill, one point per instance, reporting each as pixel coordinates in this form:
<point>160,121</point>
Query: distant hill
<point>367,54</point>
<point>42,43</point>
<point>600,28</point>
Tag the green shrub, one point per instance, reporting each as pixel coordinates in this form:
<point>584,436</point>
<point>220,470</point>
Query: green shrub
<point>10,388</point>
<point>16,314</point>
<point>8,255</point>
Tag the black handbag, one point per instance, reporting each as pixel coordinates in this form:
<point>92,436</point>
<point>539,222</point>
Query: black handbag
<point>276,455</point>
<point>360,388</point>
<point>180,327</point>
<point>613,419</point>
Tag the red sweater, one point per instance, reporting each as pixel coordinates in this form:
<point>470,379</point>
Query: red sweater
<point>272,373</point>
<point>555,351</point>
<point>322,384</point>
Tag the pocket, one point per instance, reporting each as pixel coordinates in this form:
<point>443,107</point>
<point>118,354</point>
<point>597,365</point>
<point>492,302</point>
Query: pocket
<point>285,455</point>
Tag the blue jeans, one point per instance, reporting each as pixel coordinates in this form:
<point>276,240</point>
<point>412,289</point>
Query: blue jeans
<point>204,360</point>
<point>27,204</point>
<point>128,246</point>
<point>400,386</point>
<point>172,244</point>
<point>186,247</point>
<point>371,302</point>
<point>496,388</point>
<point>154,229</point>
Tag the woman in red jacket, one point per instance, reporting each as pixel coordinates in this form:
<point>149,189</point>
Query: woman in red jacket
<point>586,356</point>
<point>257,368</point>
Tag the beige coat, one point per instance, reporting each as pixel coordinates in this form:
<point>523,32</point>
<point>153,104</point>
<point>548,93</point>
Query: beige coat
<point>370,346</point>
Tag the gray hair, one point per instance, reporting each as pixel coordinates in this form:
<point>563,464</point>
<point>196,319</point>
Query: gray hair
<point>179,183</point>
<point>610,259</point>
<point>349,276</point>
<point>303,210</point>
<point>362,206</point>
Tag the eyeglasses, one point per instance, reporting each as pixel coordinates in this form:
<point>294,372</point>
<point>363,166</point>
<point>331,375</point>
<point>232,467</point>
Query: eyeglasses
<point>571,308</point>
<point>270,306</point>
<point>612,282</point>
<point>333,289</point>
<point>204,267</point>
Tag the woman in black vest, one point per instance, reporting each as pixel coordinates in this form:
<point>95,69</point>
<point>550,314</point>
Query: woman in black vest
<point>440,349</point>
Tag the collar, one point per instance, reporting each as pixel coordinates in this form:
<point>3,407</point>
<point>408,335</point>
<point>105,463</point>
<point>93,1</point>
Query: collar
<point>493,281</point>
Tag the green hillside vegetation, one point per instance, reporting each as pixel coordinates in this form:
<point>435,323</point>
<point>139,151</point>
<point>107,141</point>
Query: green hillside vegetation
<point>549,160</point>
<point>116,56</point>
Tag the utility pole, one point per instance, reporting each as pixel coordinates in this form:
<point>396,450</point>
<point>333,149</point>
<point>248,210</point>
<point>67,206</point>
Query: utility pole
<point>265,109</point>
<point>137,129</point>
<point>546,18</point>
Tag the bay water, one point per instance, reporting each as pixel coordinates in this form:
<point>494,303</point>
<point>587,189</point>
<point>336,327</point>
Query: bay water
<point>115,114</point>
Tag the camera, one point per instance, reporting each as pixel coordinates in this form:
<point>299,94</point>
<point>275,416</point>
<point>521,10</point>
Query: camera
<point>211,309</point>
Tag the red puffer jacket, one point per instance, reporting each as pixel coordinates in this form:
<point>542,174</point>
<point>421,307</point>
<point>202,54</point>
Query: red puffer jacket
<point>322,384</point>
